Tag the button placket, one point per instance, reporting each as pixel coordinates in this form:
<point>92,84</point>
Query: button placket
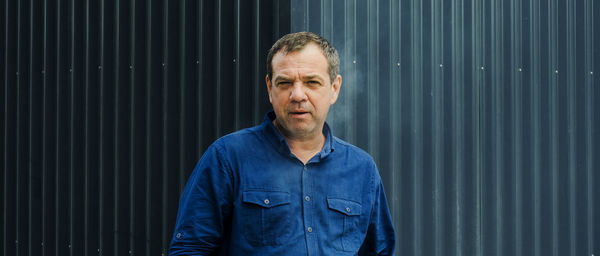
<point>307,205</point>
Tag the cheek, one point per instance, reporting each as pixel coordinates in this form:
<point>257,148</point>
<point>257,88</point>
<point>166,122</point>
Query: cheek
<point>278,101</point>
<point>321,100</point>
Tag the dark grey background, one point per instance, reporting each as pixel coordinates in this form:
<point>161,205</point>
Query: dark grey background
<point>483,116</point>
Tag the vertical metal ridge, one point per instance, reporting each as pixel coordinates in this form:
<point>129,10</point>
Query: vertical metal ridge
<point>256,56</point>
<point>71,126</point>
<point>164,173</point>
<point>497,70</point>
<point>115,229</point>
<point>57,147</point>
<point>374,133</point>
<point>437,121</point>
<point>29,131</point>
<point>553,106</point>
<point>148,165</point>
<point>330,27</point>
<point>218,69</point>
<point>477,83</point>
<point>517,108</point>
<point>86,201</point>
<point>5,189</point>
<point>373,67</point>
<point>458,122</point>
<point>327,9</point>
<point>344,56</point>
<point>321,14</point>
<point>133,166</point>
<point>236,62</point>
<point>182,99</point>
<point>101,178</point>
<point>71,84</point>
<point>417,123</point>
<point>572,129</point>
<point>4,242</point>
<point>101,165</point>
<point>200,62</point>
<point>589,121</point>
<point>535,105</point>
<point>394,99</point>
<point>478,78</point>
<point>370,99</point>
<point>352,54</point>
<point>18,123</point>
<point>306,19</point>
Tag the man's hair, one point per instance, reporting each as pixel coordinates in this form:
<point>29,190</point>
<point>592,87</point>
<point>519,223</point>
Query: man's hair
<point>296,42</point>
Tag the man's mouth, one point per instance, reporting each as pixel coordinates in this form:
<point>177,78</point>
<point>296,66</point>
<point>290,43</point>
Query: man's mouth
<point>299,113</point>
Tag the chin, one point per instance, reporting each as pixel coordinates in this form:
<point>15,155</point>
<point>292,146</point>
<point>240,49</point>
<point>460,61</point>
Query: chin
<point>303,130</point>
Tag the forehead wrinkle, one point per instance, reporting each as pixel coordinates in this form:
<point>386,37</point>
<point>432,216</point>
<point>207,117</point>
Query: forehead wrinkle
<point>303,64</point>
<point>312,76</point>
<point>283,77</point>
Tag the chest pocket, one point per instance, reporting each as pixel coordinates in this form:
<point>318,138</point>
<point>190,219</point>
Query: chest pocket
<point>266,217</point>
<point>346,214</point>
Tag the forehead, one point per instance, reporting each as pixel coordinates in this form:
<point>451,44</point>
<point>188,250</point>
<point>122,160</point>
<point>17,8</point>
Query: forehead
<point>309,59</point>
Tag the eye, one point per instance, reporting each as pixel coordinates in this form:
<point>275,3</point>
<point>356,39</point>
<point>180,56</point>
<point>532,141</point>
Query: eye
<point>284,83</point>
<point>313,82</point>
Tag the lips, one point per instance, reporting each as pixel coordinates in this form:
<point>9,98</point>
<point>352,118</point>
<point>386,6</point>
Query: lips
<point>299,113</point>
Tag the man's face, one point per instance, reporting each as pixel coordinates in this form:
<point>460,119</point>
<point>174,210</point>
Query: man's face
<point>301,91</point>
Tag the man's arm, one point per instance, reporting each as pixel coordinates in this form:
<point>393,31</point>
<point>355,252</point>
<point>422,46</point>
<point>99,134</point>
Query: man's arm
<point>380,239</point>
<point>204,207</point>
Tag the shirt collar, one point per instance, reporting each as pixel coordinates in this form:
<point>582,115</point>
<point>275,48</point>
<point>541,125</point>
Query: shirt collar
<point>278,141</point>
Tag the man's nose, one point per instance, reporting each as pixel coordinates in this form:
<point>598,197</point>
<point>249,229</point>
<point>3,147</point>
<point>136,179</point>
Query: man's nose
<point>298,92</point>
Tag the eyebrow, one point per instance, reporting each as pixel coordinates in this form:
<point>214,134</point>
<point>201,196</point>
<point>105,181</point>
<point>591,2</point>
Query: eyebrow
<point>309,77</point>
<point>281,78</point>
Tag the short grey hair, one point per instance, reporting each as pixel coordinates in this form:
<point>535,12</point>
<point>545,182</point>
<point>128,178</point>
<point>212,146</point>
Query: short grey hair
<point>296,42</point>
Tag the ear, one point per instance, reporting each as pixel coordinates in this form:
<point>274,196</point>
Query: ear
<point>337,84</point>
<point>268,82</point>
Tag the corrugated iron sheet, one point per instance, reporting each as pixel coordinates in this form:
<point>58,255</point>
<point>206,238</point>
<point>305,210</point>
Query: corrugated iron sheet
<point>106,107</point>
<point>482,116</point>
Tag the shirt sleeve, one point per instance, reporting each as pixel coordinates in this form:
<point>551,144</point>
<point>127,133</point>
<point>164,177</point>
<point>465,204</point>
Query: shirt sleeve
<point>380,239</point>
<point>204,208</point>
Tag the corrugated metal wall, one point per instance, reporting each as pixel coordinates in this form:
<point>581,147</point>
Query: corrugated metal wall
<point>106,107</point>
<point>482,115</point>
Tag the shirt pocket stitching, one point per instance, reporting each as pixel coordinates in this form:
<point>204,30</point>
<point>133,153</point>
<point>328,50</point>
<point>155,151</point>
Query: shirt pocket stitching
<point>262,213</point>
<point>350,211</point>
<point>344,206</point>
<point>275,198</point>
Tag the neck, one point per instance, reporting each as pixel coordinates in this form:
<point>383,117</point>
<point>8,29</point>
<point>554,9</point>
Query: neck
<point>313,144</point>
<point>303,147</point>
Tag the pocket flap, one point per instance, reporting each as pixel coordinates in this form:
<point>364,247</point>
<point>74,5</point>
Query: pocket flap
<point>347,207</point>
<point>266,199</point>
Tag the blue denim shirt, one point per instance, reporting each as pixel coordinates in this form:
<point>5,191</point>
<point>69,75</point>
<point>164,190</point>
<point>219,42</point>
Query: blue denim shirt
<point>249,195</point>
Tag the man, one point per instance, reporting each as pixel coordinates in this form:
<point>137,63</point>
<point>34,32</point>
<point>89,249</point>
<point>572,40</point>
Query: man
<point>287,186</point>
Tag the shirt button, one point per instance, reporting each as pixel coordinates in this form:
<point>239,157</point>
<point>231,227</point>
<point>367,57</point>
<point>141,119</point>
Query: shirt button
<point>267,201</point>
<point>348,209</point>
<point>309,229</point>
<point>307,198</point>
